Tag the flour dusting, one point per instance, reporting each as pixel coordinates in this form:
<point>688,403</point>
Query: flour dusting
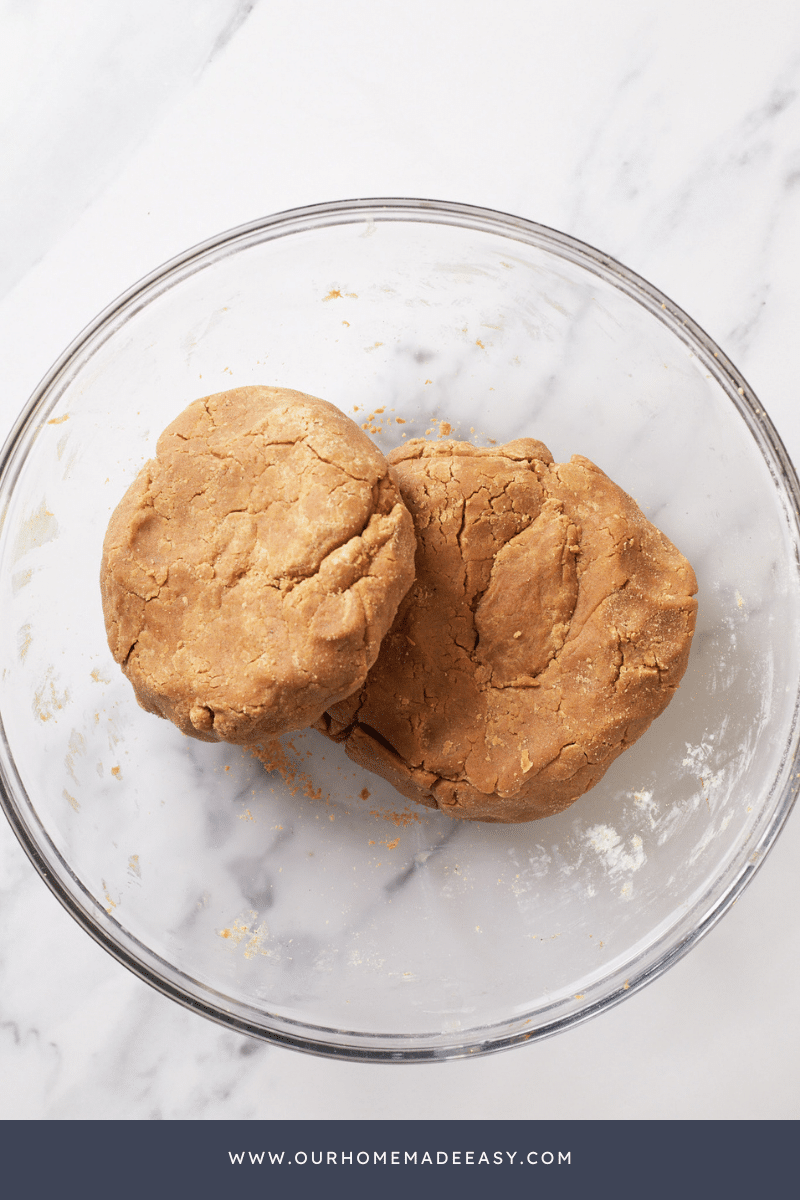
<point>615,856</point>
<point>644,800</point>
<point>697,756</point>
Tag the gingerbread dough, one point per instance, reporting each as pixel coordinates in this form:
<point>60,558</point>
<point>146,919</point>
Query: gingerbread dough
<point>253,567</point>
<point>549,623</point>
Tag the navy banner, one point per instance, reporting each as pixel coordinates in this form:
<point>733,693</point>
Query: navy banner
<point>390,1159</point>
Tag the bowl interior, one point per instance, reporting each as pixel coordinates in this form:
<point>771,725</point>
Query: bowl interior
<point>313,903</point>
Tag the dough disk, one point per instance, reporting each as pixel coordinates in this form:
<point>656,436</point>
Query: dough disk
<point>549,623</point>
<point>254,565</point>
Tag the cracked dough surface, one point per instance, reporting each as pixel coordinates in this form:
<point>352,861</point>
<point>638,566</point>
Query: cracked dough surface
<point>549,624</point>
<point>254,565</point>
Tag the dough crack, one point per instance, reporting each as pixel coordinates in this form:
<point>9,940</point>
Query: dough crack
<point>332,460</point>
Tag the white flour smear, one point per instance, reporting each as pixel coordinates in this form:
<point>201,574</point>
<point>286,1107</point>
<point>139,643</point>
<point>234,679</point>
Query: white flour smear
<point>616,857</point>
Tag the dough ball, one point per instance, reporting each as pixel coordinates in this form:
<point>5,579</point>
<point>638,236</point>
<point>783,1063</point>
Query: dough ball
<point>253,567</point>
<point>549,623</point>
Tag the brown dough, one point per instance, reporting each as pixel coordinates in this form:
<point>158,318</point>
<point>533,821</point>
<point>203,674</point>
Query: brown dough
<point>253,567</point>
<point>549,623</point>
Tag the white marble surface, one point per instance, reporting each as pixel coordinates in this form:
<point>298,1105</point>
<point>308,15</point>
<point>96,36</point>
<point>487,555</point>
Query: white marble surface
<point>670,138</point>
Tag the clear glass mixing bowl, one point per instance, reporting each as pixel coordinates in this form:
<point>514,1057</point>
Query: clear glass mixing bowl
<point>313,906</point>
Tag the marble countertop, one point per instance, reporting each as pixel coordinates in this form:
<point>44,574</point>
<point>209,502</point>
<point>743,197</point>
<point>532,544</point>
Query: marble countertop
<point>667,137</point>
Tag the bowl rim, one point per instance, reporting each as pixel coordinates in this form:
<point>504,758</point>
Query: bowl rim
<point>300,1035</point>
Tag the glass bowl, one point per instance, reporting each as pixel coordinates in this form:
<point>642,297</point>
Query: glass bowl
<point>312,905</point>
